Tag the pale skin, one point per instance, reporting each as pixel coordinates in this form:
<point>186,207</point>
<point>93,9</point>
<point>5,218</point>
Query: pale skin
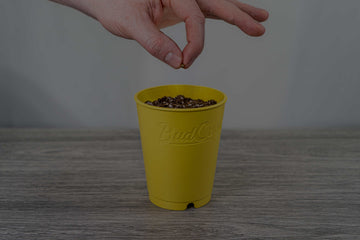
<point>141,20</point>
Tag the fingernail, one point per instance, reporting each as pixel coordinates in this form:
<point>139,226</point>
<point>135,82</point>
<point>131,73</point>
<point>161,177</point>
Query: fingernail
<point>266,14</point>
<point>173,60</point>
<point>261,29</point>
<point>189,63</point>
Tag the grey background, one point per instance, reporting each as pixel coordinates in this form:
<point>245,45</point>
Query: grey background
<point>60,68</point>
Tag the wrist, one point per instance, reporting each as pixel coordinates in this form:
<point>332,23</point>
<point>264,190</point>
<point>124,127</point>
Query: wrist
<point>85,6</point>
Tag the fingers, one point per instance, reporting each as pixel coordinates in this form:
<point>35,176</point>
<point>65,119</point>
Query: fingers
<point>258,14</point>
<point>190,13</point>
<point>157,43</point>
<point>231,13</point>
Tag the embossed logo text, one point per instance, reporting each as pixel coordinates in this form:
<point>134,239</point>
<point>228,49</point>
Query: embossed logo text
<point>198,134</point>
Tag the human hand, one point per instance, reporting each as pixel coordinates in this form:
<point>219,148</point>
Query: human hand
<point>142,20</point>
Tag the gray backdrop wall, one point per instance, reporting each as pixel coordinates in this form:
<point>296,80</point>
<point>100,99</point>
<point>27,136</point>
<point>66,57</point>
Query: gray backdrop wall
<point>60,68</point>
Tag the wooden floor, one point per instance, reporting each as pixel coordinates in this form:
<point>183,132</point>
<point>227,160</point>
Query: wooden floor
<point>90,184</point>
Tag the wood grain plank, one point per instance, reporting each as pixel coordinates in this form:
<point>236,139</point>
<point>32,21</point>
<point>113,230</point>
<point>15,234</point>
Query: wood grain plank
<point>90,184</point>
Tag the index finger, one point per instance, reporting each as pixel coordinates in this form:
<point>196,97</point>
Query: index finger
<point>189,11</point>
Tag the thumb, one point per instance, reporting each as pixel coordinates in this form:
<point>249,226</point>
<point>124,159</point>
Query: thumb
<point>157,43</point>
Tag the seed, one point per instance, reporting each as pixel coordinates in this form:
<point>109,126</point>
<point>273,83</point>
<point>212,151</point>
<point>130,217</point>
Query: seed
<point>180,101</point>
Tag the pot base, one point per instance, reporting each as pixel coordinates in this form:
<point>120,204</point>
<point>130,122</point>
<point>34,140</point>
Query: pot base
<point>179,206</point>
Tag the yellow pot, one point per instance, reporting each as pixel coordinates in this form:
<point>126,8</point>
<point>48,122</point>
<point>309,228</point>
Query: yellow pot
<point>180,146</point>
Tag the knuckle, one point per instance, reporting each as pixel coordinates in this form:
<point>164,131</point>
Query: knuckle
<point>231,19</point>
<point>199,49</point>
<point>154,45</point>
<point>199,18</point>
